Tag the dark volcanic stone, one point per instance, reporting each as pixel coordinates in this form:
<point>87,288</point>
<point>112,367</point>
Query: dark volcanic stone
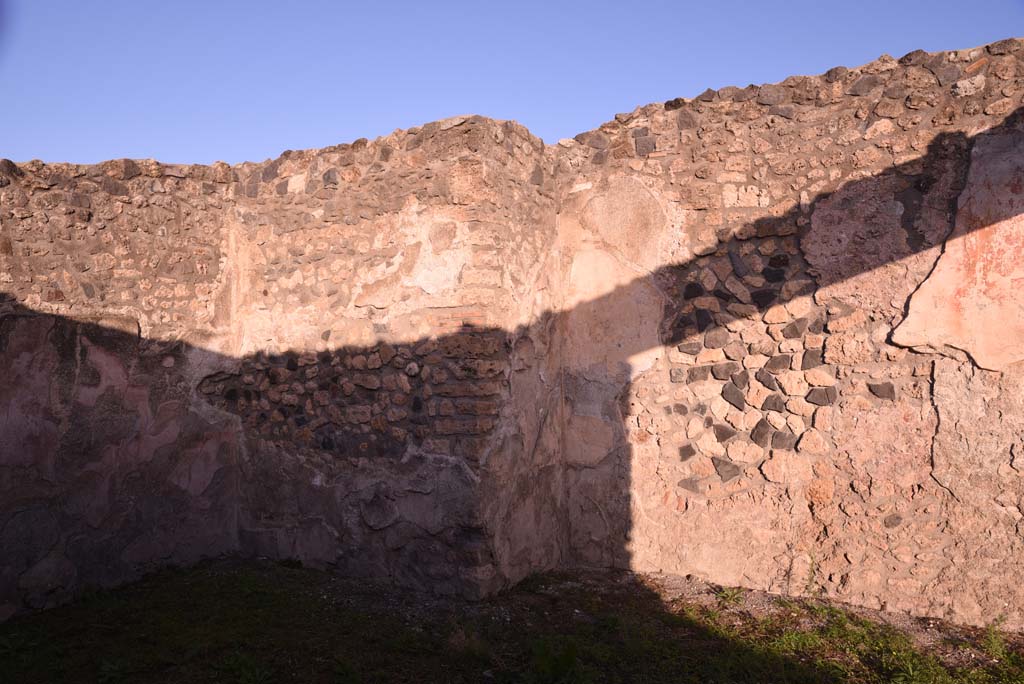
<point>883,390</point>
<point>864,85</point>
<point>735,352</point>
<point>761,435</point>
<point>723,433</point>
<point>681,409</point>
<point>786,111</point>
<point>914,58</point>
<point>835,73</point>
<point>594,139</point>
<point>734,395</point>
<point>687,452</point>
<point>746,94</point>
<point>708,95</point>
<point>725,469</point>
<point>783,440</point>
<point>1003,47</point>
<point>779,261</point>
<point>646,145</point>
<point>698,374</point>
<point>774,402</point>
<point>690,484</point>
<point>725,370</point>
<point>741,379</point>
<point>779,363</point>
<point>896,91</point>
<point>716,338</point>
<point>771,95</point>
<point>686,120</point>
<point>892,520</point>
<point>692,291</point>
<point>817,326</point>
<point>795,329</point>
<point>678,374</point>
<point>691,348</point>
<point>763,298</point>
<point>773,275</point>
<point>945,71</point>
<point>739,267</point>
<point>767,379</point>
<point>822,396</point>
<point>811,359</point>
<point>685,326</point>
<point>722,295</point>
<point>704,319</point>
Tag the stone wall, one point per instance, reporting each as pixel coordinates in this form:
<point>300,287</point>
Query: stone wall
<point>769,336</point>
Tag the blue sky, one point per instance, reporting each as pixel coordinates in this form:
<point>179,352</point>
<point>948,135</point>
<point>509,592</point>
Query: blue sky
<point>198,81</point>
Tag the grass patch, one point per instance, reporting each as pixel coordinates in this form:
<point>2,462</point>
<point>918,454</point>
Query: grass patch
<point>262,623</point>
<point>729,596</point>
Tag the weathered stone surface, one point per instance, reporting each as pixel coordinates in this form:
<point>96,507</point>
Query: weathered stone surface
<point>716,338</point>
<point>732,394</point>
<point>786,467</point>
<point>822,396</point>
<point>726,469</point>
<point>972,301</point>
<point>453,356</point>
<point>762,433</point>
<point>883,390</point>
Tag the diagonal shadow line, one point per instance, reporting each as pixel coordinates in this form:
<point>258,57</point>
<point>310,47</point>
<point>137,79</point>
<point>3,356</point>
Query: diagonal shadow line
<point>88,395</point>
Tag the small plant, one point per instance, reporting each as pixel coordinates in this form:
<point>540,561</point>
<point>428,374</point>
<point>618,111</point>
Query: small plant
<point>907,673</point>
<point>787,604</point>
<point>906,666</point>
<point>993,643</point>
<point>792,641</point>
<point>730,596</point>
<point>811,587</point>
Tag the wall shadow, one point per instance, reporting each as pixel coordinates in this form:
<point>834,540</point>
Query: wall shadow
<point>236,458</point>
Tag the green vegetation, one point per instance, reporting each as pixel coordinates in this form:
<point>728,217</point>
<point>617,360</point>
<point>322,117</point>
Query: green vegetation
<point>729,596</point>
<point>263,623</point>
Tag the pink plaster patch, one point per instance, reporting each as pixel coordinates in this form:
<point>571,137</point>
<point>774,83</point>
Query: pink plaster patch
<point>973,300</point>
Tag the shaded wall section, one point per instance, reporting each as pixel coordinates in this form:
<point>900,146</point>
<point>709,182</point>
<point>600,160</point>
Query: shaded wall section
<point>453,356</point>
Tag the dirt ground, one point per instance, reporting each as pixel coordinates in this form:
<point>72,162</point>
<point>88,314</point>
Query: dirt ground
<point>258,622</point>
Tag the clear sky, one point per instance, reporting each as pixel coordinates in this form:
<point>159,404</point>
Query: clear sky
<point>236,80</point>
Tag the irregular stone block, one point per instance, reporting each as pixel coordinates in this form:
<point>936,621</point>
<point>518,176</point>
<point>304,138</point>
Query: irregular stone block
<point>883,390</point>
<point>726,469</point>
<point>822,396</point>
